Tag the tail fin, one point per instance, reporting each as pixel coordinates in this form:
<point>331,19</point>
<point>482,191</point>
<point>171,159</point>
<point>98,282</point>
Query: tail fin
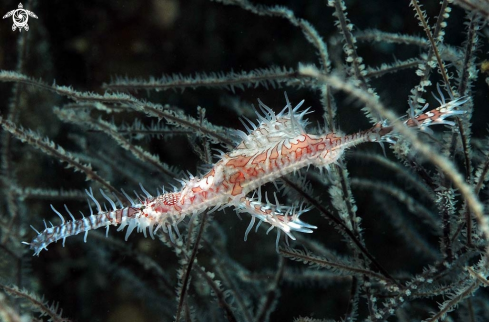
<point>85,224</point>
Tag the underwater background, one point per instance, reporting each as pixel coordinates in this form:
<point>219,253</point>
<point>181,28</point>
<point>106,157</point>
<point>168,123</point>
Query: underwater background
<point>89,44</point>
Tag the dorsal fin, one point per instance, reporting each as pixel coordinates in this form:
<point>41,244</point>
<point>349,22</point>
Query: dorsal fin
<point>272,128</point>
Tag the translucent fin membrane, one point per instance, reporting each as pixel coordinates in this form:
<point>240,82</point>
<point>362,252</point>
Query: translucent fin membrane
<point>284,218</point>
